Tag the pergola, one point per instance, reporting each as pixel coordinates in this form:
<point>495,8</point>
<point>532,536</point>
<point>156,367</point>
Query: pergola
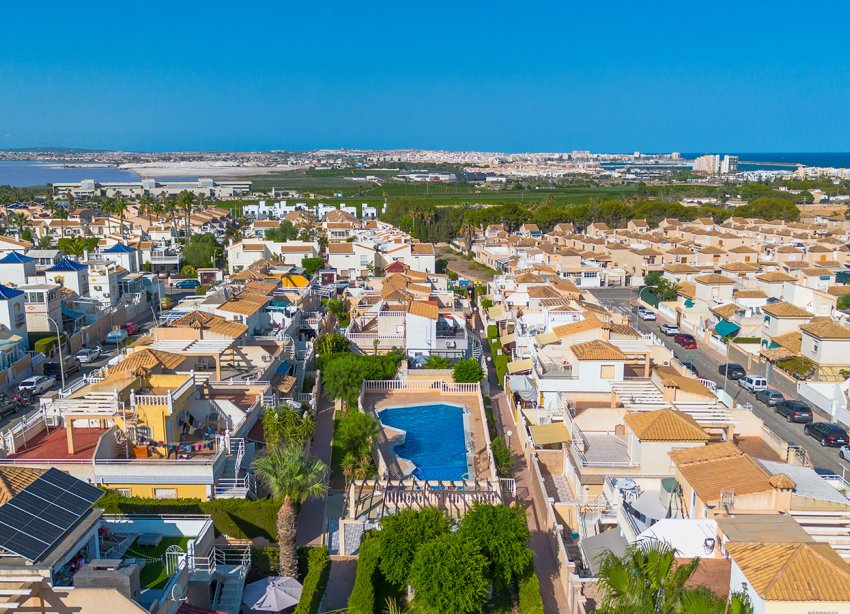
<point>197,347</point>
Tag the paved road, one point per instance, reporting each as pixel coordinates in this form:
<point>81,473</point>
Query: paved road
<point>707,362</point>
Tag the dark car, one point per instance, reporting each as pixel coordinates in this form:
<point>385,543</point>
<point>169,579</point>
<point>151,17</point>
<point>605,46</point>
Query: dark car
<point>686,341</point>
<point>131,328</point>
<point>828,434</point>
<point>794,411</point>
<point>71,364</point>
<point>691,367</point>
<point>769,397</point>
<point>732,370</point>
<point>187,284</point>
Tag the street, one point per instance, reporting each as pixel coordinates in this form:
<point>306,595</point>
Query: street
<point>108,353</point>
<point>707,362</point>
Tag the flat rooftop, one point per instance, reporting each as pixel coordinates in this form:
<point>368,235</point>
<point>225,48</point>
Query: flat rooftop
<point>53,444</point>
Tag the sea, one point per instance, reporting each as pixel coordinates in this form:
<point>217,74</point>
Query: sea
<point>21,174</point>
<point>782,161</point>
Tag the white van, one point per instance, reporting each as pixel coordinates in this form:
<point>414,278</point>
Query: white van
<point>753,383</point>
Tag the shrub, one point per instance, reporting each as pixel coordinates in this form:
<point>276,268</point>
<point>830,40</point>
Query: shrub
<point>747,339</point>
<point>363,598</point>
<point>449,575</point>
<point>202,289</point>
<point>312,265</point>
<point>315,579</point>
<point>188,271</point>
<point>46,344</point>
<point>238,518</point>
<point>530,600</point>
<point>467,370</point>
<point>502,457</point>
<point>486,303</point>
<point>264,562</point>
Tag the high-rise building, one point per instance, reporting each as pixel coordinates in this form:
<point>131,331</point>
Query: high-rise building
<point>710,164</point>
<point>729,165</point>
<point>675,155</point>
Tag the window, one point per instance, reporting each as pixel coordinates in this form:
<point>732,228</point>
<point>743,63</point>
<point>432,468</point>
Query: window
<point>124,492</point>
<point>607,372</point>
<point>164,493</point>
<point>814,346</point>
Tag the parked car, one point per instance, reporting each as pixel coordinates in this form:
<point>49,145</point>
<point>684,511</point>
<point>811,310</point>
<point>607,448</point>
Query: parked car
<point>646,314</point>
<point>691,367</point>
<point>87,355</point>
<point>166,302</point>
<point>71,365</point>
<point>669,329</point>
<point>187,284</point>
<point>769,397</point>
<point>732,370</point>
<point>794,411</point>
<point>116,336</point>
<point>844,453</point>
<point>636,308</point>
<point>37,384</point>
<point>828,434</point>
<point>7,406</point>
<point>688,342</point>
<point>131,328</point>
<point>753,383</point>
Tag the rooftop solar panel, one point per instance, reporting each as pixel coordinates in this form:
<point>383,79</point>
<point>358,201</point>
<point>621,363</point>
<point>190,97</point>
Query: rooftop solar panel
<point>37,517</point>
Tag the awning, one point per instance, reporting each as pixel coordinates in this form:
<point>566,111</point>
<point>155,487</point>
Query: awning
<point>518,366</point>
<point>724,328</point>
<point>497,312</point>
<point>507,339</point>
<point>548,434</point>
<point>283,369</point>
<point>522,385</point>
<point>71,314</point>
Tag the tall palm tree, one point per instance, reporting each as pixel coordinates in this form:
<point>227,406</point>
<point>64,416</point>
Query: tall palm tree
<point>294,479</point>
<point>61,214</point>
<point>185,200</point>
<point>146,206</point>
<point>18,220</point>
<point>73,246</point>
<point>45,242</point>
<point>119,207</point>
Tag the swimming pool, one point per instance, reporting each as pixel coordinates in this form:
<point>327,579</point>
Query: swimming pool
<point>435,441</point>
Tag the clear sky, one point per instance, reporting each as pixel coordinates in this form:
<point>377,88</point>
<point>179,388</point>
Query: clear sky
<point>514,76</point>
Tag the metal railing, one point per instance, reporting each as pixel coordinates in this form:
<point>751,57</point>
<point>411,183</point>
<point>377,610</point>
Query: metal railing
<point>382,385</point>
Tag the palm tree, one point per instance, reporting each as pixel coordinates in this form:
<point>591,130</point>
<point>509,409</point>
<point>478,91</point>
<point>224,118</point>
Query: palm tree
<point>294,479</point>
<point>119,207</point>
<point>45,242</point>
<point>147,205</point>
<point>185,200</point>
<point>61,215</point>
<point>19,220</point>
<point>74,246</point>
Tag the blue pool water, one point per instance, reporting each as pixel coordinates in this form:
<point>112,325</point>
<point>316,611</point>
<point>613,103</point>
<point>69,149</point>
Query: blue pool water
<point>435,440</point>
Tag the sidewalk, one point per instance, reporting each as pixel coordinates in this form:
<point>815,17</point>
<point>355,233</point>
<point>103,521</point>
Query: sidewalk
<point>545,563</point>
<point>311,519</point>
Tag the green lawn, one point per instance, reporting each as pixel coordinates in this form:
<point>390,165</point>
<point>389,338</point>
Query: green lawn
<point>153,574</point>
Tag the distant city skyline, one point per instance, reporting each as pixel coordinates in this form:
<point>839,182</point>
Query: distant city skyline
<point>617,77</point>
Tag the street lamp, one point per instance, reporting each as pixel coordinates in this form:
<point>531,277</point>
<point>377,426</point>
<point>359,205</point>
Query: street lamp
<point>509,433</point>
<point>59,344</point>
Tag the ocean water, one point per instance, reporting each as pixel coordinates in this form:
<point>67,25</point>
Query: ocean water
<point>435,440</point>
<point>22,174</point>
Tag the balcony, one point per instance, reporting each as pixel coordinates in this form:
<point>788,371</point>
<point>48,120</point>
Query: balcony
<point>601,449</point>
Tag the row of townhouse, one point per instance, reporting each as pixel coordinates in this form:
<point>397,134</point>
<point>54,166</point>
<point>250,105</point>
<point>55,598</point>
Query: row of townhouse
<point>629,447</point>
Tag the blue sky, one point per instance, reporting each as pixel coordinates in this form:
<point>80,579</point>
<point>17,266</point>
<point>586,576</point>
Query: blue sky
<point>612,76</point>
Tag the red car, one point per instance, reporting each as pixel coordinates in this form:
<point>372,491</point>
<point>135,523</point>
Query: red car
<point>688,342</point>
<point>131,328</point>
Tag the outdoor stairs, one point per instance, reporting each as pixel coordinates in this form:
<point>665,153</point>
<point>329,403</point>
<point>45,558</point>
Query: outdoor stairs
<point>333,536</point>
<point>231,484</point>
<point>229,597</point>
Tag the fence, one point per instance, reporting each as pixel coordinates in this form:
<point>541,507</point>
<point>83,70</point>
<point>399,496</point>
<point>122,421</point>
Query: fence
<point>415,385</point>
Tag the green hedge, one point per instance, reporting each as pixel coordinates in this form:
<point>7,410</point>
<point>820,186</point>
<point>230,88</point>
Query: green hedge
<point>530,600</point>
<point>502,458</point>
<point>492,332</point>
<point>315,580</point>
<point>46,343</point>
<point>266,562</point>
<point>747,339</point>
<point>363,598</point>
<point>238,518</point>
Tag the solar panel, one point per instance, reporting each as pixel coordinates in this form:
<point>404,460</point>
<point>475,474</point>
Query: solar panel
<point>38,516</point>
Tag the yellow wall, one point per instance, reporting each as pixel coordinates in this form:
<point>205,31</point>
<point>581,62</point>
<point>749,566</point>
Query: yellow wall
<point>184,491</point>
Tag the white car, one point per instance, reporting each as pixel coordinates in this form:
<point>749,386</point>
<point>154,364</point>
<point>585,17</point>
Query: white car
<point>38,384</point>
<point>646,314</point>
<point>844,453</point>
<point>669,329</point>
<point>88,354</point>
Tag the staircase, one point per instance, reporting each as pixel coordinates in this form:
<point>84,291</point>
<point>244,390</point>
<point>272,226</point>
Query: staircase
<point>228,565</point>
<point>231,484</point>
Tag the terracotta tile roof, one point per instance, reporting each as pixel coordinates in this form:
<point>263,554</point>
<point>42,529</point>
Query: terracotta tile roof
<point>839,290</point>
<point>812,271</point>
<point>14,479</point>
<point>528,278</point>
<point>542,292</point>
<point>725,311</point>
<point>784,309</point>
<point>295,249</point>
<point>423,309</point>
<point>774,277</point>
<point>680,268</point>
<point>673,379</point>
<point>422,249</point>
<point>715,468</point>
<point>665,425</point>
<point>750,294</point>
<point>780,481</point>
<point>597,350</point>
<point>808,572</point>
<point>687,289</point>
<point>263,287</point>
<point>714,279</point>
<point>791,341</point>
<point>340,248</point>
<point>712,251</point>
<point>826,329</point>
<point>565,330</point>
<point>148,359</point>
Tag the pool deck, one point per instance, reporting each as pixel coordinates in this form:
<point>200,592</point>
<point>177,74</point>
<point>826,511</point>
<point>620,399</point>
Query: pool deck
<point>377,400</point>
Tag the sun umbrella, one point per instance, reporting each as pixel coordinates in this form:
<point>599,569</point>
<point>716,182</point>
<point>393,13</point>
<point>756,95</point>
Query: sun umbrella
<point>272,594</point>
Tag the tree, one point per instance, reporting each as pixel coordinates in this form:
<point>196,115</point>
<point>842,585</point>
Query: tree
<point>330,344</point>
<point>844,301</point>
<point>336,306</point>
<point>468,370</point>
<point>77,246</point>
<point>402,534</point>
<point>502,535</point>
<point>200,250</point>
<point>61,214</point>
<point>486,303</point>
<point>449,575</point>
<point>437,362</point>
<point>355,432</point>
<point>285,426</point>
<point>342,377</point>
<point>285,232</point>
<point>185,201</point>
<point>18,220</point>
<point>312,265</point>
<point>45,242</point>
<point>119,208</point>
<point>147,206</point>
<point>294,479</point>
<point>647,578</point>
